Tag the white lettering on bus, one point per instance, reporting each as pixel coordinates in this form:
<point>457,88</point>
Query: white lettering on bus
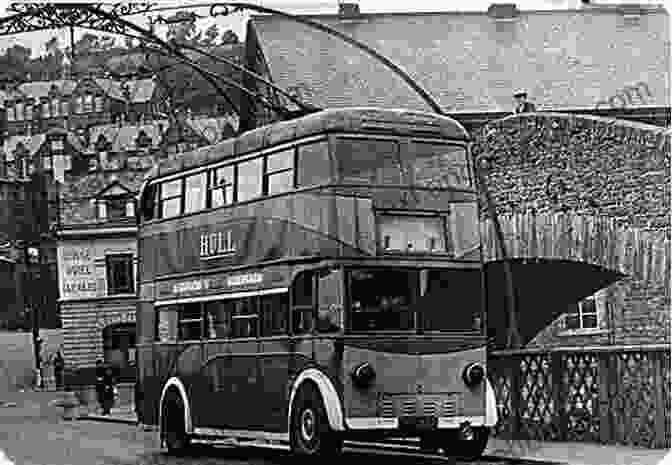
<point>218,243</point>
<point>252,278</point>
<point>190,286</point>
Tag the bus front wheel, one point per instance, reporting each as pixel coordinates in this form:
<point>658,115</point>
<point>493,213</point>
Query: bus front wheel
<point>310,433</point>
<point>174,430</point>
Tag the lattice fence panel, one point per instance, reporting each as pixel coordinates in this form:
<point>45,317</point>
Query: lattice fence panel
<point>500,377</point>
<point>537,408</point>
<point>634,399</point>
<point>665,368</point>
<point>582,396</point>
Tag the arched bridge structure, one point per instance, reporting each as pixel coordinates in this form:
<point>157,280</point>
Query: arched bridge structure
<point>583,204</point>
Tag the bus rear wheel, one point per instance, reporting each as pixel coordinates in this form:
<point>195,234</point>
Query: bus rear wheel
<point>469,450</point>
<point>310,434</point>
<point>174,429</point>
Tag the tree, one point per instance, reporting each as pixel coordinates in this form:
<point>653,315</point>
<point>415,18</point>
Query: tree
<point>182,26</point>
<point>52,62</point>
<point>211,34</point>
<point>107,43</point>
<point>229,37</point>
<point>129,42</point>
<point>87,44</point>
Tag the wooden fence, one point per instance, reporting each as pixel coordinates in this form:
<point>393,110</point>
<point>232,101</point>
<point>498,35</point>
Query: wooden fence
<point>607,394</point>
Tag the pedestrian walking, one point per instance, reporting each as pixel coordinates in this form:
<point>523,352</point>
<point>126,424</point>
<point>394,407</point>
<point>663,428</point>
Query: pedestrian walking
<point>100,385</point>
<point>59,364</point>
<point>109,390</point>
<point>522,105</point>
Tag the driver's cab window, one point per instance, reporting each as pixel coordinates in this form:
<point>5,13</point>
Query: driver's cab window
<point>329,300</point>
<point>303,303</point>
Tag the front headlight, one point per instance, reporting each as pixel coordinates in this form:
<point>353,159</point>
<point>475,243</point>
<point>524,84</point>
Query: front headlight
<point>363,375</point>
<point>473,374</point>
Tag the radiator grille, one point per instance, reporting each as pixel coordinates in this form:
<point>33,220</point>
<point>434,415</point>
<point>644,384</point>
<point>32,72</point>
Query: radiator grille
<point>397,405</point>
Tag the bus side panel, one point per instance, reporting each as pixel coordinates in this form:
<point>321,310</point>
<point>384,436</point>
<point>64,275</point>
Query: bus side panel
<point>276,357</point>
<point>149,386</point>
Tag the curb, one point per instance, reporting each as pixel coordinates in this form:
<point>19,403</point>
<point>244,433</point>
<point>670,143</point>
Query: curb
<point>108,419</point>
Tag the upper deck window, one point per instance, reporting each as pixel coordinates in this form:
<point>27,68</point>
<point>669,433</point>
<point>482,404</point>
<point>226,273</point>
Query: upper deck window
<point>280,172</point>
<point>412,233</point>
<point>221,186</point>
<point>440,165</point>
<point>171,198</point>
<point>370,161</point>
<point>249,179</point>
<point>195,189</point>
<point>313,166</point>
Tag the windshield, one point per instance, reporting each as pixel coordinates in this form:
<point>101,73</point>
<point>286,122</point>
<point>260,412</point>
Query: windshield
<point>410,300</point>
<point>387,162</point>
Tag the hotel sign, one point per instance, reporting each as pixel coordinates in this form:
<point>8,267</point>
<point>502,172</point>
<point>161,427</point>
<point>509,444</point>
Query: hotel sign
<point>77,272</point>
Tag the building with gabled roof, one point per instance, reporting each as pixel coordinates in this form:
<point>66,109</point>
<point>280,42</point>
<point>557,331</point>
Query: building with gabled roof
<point>473,62</point>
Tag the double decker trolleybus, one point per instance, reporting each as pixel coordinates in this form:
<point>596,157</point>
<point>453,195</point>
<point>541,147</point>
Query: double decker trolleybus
<point>316,281</point>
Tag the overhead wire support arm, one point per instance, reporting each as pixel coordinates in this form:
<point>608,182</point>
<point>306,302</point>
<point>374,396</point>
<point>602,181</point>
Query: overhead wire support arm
<point>304,106</point>
<point>228,81</point>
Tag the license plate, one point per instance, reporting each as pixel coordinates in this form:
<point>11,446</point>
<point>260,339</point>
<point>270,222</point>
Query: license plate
<point>418,423</point>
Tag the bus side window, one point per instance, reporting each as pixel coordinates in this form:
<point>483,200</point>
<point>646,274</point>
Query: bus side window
<point>245,318</point>
<point>330,301</point>
<point>218,319</point>
<point>274,314</point>
<point>314,164</point>
<point>166,324</point>
<point>302,307</point>
<point>148,203</point>
<point>190,322</point>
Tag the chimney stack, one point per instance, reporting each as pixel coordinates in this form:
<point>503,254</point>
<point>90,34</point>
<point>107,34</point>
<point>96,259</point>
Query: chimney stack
<point>348,10</point>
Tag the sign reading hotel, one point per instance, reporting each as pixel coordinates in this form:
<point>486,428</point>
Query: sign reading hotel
<point>78,274</point>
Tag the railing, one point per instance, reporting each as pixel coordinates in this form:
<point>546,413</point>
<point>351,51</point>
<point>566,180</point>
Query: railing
<point>609,394</point>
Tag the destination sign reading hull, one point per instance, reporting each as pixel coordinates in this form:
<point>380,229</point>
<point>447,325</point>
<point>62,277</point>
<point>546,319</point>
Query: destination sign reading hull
<point>217,244</point>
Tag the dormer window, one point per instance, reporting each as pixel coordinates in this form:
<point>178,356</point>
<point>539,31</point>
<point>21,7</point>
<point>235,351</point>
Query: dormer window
<point>45,110</point>
<point>57,145</point>
<point>11,114</point>
<point>29,112</point>
<point>115,203</point>
<point>143,139</point>
<point>88,103</point>
<point>19,111</point>
<point>99,104</point>
<point>55,107</point>
<point>116,207</point>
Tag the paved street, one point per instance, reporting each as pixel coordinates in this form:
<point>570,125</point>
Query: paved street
<point>33,433</point>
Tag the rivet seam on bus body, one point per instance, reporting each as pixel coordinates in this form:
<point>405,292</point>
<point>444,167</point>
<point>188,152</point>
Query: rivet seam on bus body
<point>174,381</point>
<point>332,403</point>
<point>491,416</point>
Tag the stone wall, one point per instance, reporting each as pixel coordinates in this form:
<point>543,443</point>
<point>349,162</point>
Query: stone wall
<point>590,167</point>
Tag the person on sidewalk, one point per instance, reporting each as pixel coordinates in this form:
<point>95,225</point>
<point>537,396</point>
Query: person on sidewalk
<point>59,365</point>
<point>100,386</point>
<point>108,390</point>
<point>522,105</point>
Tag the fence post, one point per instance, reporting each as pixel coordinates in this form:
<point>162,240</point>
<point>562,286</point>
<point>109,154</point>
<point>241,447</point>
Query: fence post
<point>558,394</point>
<point>605,377</point>
<point>657,357</point>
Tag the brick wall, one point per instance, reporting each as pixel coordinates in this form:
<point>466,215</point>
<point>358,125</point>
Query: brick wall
<point>593,167</point>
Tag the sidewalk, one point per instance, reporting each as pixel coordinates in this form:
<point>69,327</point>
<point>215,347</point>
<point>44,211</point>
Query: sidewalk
<point>572,453</point>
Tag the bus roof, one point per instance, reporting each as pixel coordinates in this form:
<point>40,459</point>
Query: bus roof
<point>360,119</point>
